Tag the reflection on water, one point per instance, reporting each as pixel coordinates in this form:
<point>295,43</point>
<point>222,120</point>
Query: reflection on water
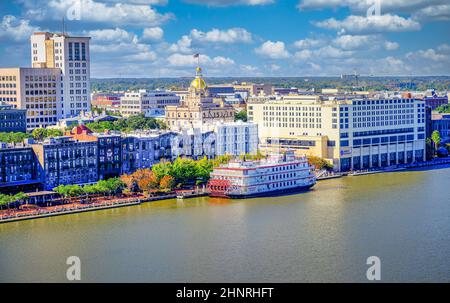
<point>324,235</point>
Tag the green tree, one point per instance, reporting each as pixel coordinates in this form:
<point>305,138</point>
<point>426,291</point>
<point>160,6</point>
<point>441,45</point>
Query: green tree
<point>319,163</point>
<point>39,134</point>
<point>436,138</point>
<point>163,168</point>
<point>242,115</point>
<point>204,167</point>
<point>184,170</point>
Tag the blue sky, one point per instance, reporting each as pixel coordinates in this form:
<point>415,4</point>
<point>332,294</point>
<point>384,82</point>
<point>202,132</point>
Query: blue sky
<point>151,38</point>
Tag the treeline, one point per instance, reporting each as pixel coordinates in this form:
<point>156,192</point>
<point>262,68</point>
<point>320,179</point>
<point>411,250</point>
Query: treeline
<point>6,200</point>
<point>38,134</point>
<point>104,187</point>
<point>138,122</point>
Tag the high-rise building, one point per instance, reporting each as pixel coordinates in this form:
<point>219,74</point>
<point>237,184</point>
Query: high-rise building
<point>351,132</point>
<point>71,55</point>
<point>37,90</point>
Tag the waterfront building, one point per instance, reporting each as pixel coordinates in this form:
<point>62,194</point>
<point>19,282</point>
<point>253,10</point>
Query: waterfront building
<point>144,149</point>
<point>71,55</point>
<point>11,119</point>
<point>198,108</point>
<point>18,169</point>
<point>146,102</point>
<point>37,90</point>
<point>64,160</point>
<point>441,123</point>
<point>276,175</point>
<point>237,138</point>
<point>107,101</point>
<point>351,132</point>
<point>109,146</point>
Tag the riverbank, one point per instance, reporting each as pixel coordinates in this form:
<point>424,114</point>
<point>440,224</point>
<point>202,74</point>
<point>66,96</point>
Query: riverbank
<point>45,212</point>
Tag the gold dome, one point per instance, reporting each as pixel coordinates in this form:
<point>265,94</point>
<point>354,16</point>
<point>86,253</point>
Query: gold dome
<point>198,83</point>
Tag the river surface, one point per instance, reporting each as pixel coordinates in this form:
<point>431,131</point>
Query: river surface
<point>325,235</point>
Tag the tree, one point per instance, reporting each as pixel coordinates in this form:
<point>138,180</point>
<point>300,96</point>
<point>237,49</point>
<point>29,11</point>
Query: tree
<point>163,168</point>
<point>319,163</point>
<point>146,179</point>
<point>39,134</point>
<point>204,167</point>
<point>167,183</point>
<point>436,138</point>
<point>184,170</point>
<point>13,137</point>
<point>242,115</point>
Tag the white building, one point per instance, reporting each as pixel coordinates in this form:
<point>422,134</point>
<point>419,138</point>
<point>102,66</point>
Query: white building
<point>150,103</point>
<point>38,90</point>
<point>238,138</point>
<point>233,138</point>
<point>71,55</point>
<point>351,132</point>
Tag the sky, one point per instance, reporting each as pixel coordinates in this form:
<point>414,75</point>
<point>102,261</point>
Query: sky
<point>299,38</point>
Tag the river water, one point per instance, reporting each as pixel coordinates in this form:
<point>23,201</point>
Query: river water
<point>325,235</point>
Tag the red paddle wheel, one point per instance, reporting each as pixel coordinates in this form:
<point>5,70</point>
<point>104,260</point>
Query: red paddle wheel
<point>218,188</point>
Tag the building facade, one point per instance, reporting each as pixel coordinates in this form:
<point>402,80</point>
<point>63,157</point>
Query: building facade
<point>70,55</point>
<point>64,160</point>
<point>441,123</point>
<point>147,102</point>
<point>12,120</point>
<point>18,169</point>
<point>351,132</point>
<point>36,90</point>
<point>107,101</point>
<point>236,139</point>
<point>144,149</point>
<point>198,108</point>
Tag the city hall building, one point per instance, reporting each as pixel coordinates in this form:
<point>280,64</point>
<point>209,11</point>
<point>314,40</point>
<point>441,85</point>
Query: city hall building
<point>351,132</point>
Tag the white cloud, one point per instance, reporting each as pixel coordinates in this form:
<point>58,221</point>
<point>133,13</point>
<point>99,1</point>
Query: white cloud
<point>181,60</point>
<point>152,34</point>
<point>350,42</point>
<point>433,13</point>
<point>273,50</point>
<point>372,24</point>
<point>184,45</point>
<point>111,35</point>
<point>144,56</point>
<point>390,46</point>
<point>303,54</point>
<point>309,43</point>
<point>230,2</point>
<point>360,6</point>
<point>232,35</point>
<point>97,12</point>
<point>428,54</point>
<point>331,52</point>
<point>16,29</point>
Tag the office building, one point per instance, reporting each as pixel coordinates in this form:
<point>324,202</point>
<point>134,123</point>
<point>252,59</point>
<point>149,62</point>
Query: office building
<point>351,132</point>
<point>254,89</point>
<point>70,55</point>
<point>441,123</point>
<point>36,90</point>
<point>147,102</point>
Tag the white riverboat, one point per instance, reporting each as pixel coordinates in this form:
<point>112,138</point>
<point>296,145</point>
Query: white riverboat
<point>276,175</point>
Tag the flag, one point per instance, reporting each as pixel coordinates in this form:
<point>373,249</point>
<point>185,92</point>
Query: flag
<point>196,55</point>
